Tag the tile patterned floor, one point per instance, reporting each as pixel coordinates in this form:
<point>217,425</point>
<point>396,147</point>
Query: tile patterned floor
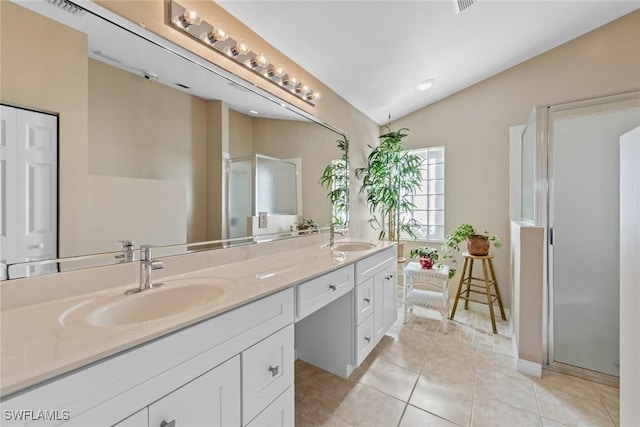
<point>419,376</point>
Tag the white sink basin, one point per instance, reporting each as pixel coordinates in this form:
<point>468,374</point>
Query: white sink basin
<point>353,246</point>
<point>174,298</point>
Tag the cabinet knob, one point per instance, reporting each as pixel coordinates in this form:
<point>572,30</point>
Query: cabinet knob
<point>333,287</point>
<point>171,423</point>
<point>274,370</point>
<point>388,277</point>
<point>368,339</point>
<point>367,300</point>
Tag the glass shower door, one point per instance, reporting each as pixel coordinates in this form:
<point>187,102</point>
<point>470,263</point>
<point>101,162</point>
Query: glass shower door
<point>584,221</point>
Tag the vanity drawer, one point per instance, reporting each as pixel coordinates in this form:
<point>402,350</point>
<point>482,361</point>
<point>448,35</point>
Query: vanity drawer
<point>318,292</point>
<point>267,371</point>
<point>365,339</point>
<point>364,300</point>
<point>373,264</point>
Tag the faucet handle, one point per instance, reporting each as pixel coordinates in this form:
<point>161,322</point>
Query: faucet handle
<point>126,244</point>
<point>145,252</point>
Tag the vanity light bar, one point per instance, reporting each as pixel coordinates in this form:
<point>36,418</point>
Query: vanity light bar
<point>187,20</point>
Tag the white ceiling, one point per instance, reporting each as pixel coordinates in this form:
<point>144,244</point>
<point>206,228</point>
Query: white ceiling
<point>374,53</point>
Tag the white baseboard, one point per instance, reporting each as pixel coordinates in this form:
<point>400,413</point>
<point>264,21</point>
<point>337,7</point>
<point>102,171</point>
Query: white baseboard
<point>529,368</point>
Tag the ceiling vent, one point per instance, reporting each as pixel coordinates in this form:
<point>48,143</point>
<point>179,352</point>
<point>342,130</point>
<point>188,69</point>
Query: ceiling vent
<point>461,5</point>
<point>67,6</point>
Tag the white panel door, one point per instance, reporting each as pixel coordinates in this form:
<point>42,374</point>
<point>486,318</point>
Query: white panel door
<point>8,187</point>
<point>29,188</point>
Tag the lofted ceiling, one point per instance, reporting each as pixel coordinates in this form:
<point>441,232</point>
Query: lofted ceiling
<point>375,53</point>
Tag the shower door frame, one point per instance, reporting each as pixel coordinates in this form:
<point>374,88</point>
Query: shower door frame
<point>543,212</point>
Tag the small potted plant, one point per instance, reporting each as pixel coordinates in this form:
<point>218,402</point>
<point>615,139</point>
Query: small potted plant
<point>477,243</point>
<point>426,255</point>
<point>305,226</point>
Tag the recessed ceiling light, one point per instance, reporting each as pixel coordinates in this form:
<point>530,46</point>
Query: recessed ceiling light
<point>425,84</point>
<point>253,111</point>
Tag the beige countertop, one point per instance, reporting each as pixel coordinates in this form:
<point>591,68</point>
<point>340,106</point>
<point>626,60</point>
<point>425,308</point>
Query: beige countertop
<point>38,346</point>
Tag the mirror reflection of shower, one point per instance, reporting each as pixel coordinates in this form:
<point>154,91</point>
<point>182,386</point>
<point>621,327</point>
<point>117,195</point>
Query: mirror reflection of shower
<point>264,195</point>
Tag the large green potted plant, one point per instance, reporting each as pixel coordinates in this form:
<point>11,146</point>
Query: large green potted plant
<point>335,178</point>
<point>390,178</point>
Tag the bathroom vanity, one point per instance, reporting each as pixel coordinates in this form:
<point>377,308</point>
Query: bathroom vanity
<point>227,362</point>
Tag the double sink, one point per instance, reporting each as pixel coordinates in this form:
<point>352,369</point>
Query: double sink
<point>175,297</point>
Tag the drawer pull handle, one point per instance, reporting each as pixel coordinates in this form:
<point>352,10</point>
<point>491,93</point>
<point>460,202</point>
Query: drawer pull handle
<point>388,277</point>
<point>367,300</point>
<point>368,339</point>
<point>171,423</point>
<point>333,287</point>
<point>274,370</point>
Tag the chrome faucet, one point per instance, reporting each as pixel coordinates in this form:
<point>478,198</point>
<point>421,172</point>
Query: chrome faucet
<point>147,264</point>
<point>332,235</point>
<point>127,252</point>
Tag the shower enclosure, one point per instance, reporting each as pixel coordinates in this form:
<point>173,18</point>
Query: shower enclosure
<point>570,185</point>
<point>261,186</point>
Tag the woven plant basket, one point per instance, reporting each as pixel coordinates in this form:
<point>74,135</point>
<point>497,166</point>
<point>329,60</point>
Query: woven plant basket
<point>478,245</point>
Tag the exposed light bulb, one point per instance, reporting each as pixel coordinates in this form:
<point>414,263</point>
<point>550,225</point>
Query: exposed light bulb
<point>425,84</point>
<point>189,17</point>
<point>302,88</point>
<point>240,48</point>
<point>313,95</point>
<point>290,80</point>
<point>276,71</point>
<point>259,61</point>
<point>218,34</point>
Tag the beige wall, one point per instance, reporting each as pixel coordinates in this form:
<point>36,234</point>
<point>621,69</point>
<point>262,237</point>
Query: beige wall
<point>140,129</point>
<point>527,266</point>
<point>473,124</point>
<point>240,135</point>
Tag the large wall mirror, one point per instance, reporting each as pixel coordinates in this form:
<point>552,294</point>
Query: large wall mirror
<point>154,145</point>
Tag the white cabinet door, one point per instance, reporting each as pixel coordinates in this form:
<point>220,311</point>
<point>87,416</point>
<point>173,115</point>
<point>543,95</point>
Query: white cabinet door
<point>390,297</point>
<point>139,419</point>
<point>212,399</point>
<point>385,310</point>
<point>280,413</point>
